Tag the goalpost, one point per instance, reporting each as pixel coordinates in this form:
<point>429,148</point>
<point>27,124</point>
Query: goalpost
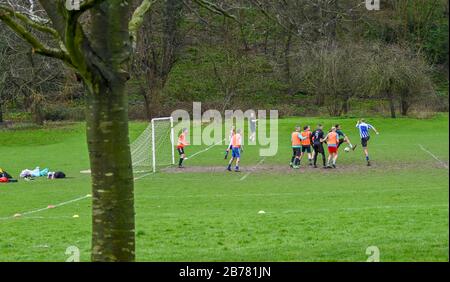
<point>154,147</point>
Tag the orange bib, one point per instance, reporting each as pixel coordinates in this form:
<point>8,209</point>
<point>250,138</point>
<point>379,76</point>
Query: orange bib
<point>307,135</point>
<point>295,139</point>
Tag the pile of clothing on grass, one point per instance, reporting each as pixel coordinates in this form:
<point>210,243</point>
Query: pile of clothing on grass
<point>5,177</point>
<point>28,174</point>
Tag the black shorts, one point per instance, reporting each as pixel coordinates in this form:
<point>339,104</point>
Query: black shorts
<point>180,151</point>
<point>306,148</point>
<point>297,152</point>
<point>364,141</point>
<point>340,142</point>
<point>318,148</point>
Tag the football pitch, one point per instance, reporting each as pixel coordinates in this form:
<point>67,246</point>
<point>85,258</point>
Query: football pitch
<point>267,212</point>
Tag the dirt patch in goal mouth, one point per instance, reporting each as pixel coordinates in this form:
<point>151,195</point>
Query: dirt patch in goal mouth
<point>285,169</point>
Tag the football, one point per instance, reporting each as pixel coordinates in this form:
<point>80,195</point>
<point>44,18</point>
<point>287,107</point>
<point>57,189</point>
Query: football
<point>347,149</point>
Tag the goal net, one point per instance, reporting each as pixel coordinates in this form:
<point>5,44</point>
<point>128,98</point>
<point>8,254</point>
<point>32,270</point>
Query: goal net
<point>154,147</point>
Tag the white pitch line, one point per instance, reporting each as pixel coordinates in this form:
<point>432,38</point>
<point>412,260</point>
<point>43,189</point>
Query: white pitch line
<point>431,154</point>
<point>207,148</point>
<point>142,176</point>
<point>248,173</point>
<point>47,208</point>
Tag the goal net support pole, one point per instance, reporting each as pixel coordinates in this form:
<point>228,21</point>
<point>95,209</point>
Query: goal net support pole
<point>154,146</point>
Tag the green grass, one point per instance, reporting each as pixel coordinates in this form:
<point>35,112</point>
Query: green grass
<point>400,205</point>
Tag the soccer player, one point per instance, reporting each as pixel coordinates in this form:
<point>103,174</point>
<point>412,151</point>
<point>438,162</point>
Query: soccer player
<point>296,140</point>
<point>343,138</point>
<point>236,148</point>
<point>253,121</point>
<point>180,146</point>
<point>365,136</point>
<point>317,137</point>
<point>232,132</point>
<point>306,143</point>
<point>332,141</point>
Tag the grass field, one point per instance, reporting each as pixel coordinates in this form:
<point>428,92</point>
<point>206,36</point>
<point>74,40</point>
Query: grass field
<point>399,205</point>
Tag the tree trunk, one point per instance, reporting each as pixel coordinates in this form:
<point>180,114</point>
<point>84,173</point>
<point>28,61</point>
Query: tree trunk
<point>405,108</point>
<point>287,61</point>
<point>345,106</point>
<point>404,104</point>
<point>112,177</point>
<point>392,105</point>
<point>152,100</point>
<point>1,108</point>
<point>147,106</point>
<point>113,223</point>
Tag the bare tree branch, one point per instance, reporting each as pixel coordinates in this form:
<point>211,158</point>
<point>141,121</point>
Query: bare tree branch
<point>38,47</point>
<point>138,18</point>
<point>214,8</point>
<point>26,20</point>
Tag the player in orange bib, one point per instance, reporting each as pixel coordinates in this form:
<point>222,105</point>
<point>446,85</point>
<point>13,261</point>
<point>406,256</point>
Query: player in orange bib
<point>236,149</point>
<point>180,146</point>
<point>332,140</point>
<point>296,140</point>
<point>306,143</point>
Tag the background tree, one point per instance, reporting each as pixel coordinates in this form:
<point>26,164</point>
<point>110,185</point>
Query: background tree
<point>158,47</point>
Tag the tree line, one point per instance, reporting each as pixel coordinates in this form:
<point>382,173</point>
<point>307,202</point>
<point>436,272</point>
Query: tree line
<point>302,57</point>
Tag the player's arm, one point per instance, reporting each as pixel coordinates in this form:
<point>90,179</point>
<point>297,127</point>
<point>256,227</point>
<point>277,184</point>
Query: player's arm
<point>374,129</point>
<point>301,136</point>
<point>324,139</point>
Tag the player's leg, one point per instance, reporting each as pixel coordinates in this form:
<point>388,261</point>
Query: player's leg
<point>302,152</point>
<point>308,150</point>
<point>298,153</point>
<point>293,157</point>
<point>238,159</point>
<point>335,156</point>
<point>233,157</point>
<point>353,147</point>
<point>364,142</point>
<point>335,159</point>
<point>330,155</point>
<point>322,152</point>
<point>230,163</point>
<point>182,156</point>
<point>315,153</point>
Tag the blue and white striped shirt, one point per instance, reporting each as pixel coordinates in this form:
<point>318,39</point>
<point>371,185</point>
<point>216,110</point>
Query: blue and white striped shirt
<point>364,129</point>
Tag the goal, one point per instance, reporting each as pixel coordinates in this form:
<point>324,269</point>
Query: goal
<point>154,147</point>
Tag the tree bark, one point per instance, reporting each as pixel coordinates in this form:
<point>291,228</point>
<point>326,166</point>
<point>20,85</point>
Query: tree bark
<point>112,177</point>
<point>287,61</point>
<point>404,105</point>
<point>392,105</point>
<point>345,106</point>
